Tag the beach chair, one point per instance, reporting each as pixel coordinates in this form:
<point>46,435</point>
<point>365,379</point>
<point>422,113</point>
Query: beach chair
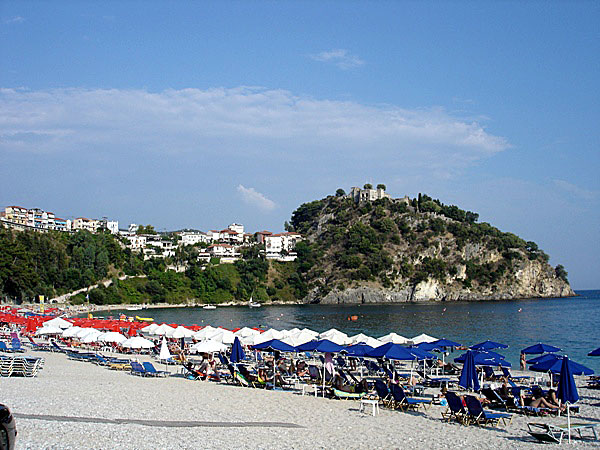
<point>37,346</point>
<point>383,393</point>
<point>343,395</point>
<point>495,400</point>
<point>16,345</point>
<point>58,348</point>
<point>151,370</point>
<point>3,347</point>
<point>488,373</point>
<point>455,409</point>
<point>403,402</point>
<point>138,369</point>
<point>476,414</point>
<point>545,432</point>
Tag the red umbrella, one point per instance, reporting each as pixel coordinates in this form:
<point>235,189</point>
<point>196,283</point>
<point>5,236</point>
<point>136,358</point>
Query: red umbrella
<point>131,332</point>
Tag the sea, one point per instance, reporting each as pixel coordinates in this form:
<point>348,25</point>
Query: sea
<point>572,324</point>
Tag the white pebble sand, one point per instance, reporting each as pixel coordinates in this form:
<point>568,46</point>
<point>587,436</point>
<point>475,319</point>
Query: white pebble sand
<point>71,388</point>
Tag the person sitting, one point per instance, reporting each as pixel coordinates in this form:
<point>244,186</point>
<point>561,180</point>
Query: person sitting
<point>302,369</point>
<point>540,401</point>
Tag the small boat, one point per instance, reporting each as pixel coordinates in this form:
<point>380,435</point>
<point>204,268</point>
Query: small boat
<point>209,307</point>
<point>133,308</point>
<point>144,319</point>
<point>252,304</point>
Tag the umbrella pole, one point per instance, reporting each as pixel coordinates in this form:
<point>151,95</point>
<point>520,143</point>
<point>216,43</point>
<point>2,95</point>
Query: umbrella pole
<point>568,420</point>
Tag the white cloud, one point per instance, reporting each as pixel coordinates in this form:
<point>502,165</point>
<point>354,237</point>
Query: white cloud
<point>253,198</point>
<point>575,190</point>
<point>16,19</point>
<point>340,57</point>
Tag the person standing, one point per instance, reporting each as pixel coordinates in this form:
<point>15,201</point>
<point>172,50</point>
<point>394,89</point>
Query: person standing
<point>523,362</point>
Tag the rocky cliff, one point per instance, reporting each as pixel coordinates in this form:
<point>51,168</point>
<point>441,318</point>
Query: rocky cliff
<point>415,250</point>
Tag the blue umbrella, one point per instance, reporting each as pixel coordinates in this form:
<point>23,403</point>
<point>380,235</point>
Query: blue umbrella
<point>420,353</point>
<point>392,351</point>
<point>567,391</point>
<point>358,349</point>
<point>274,344</point>
<point>488,345</point>
<point>445,343</point>
<point>468,376</point>
<point>555,366</point>
<point>323,346</point>
<point>237,352</point>
<point>539,359</point>
<point>595,352</point>
<point>540,348</point>
<point>484,359</point>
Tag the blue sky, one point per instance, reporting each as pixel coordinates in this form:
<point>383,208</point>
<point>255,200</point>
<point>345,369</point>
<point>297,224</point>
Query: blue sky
<point>198,114</point>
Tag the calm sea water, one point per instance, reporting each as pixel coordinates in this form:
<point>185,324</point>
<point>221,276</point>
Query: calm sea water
<point>573,324</point>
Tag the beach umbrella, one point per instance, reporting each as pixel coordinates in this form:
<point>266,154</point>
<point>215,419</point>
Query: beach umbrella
<point>180,332</point>
<point>594,352</point>
<point>423,338</point>
<point>357,349</point>
<point>131,332</point>
<point>224,336</point>
<point>208,346</point>
<point>542,358</point>
<point>567,390</point>
<point>137,342</point>
<point>538,349</point>
<point>163,329</point>
<point>237,352</point>
<point>468,376</point>
<point>490,358</point>
<point>298,339</point>
<point>58,322</point>
<point>445,343</point>
<point>71,332</point>
<point>246,332</point>
<point>164,354</point>
<point>150,328</point>
<point>488,345</point>
<point>393,338</point>
<point>112,336</point>
<point>274,345</point>
<point>392,351</point>
<point>48,330</point>
<point>555,366</point>
<point>420,353</point>
<point>91,337</point>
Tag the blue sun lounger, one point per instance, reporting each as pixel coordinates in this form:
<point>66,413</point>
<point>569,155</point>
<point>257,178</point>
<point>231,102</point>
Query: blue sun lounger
<point>478,415</point>
<point>403,402</point>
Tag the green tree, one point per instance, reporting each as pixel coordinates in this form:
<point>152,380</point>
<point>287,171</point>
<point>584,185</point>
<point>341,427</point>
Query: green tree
<point>368,186</point>
<point>340,192</point>
<point>381,186</point>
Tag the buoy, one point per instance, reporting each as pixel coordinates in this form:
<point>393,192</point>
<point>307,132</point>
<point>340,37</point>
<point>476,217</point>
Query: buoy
<point>354,318</point>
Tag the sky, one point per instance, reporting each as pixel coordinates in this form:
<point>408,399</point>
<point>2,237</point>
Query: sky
<point>200,114</point>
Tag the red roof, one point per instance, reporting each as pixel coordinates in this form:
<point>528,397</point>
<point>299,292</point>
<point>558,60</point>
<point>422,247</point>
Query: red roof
<point>220,245</point>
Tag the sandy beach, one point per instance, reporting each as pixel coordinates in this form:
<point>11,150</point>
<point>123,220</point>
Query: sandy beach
<point>175,412</point>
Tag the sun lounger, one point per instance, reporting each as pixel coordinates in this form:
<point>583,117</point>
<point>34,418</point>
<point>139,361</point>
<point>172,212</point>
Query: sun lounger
<point>343,395</point>
<point>39,347</point>
<point>476,414</point>
<point>138,369</point>
<point>384,394</point>
<point>554,433</point>
<point>495,400</point>
<point>151,370</point>
<point>455,409</point>
<point>16,345</point>
<point>403,402</point>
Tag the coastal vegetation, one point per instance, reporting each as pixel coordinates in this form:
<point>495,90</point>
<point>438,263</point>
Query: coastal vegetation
<point>387,244</point>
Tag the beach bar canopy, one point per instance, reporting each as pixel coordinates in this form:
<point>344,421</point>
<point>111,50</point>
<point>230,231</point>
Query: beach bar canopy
<point>538,349</point>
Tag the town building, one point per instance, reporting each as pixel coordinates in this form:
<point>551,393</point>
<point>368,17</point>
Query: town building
<point>83,223</point>
<point>367,195</point>
<point>193,238</point>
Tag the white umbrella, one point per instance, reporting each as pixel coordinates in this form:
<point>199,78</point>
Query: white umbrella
<point>92,337</point>
<point>308,330</point>
<point>373,342</point>
<point>224,336</point>
<point>245,332</point>
<point>48,330</point>
<point>58,322</point>
<point>201,334</point>
<point>112,336</point>
<point>208,346</point>
<point>394,338</point>
<point>180,332</point>
<point>71,332</point>
<point>84,332</point>
<point>298,339</point>
<point>423,338</point>
<point>149,329</point>
<point>268,335</point>
<point>163,329</point>
<point>137,342</point>
<point>164,354</point>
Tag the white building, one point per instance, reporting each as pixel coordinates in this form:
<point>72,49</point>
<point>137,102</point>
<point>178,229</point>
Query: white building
<point>367,195</point>
<point>193,238</point>
<point>276,245</point>
<point>112,226</point>
<point>83,223</point>
<point>136,241</point>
